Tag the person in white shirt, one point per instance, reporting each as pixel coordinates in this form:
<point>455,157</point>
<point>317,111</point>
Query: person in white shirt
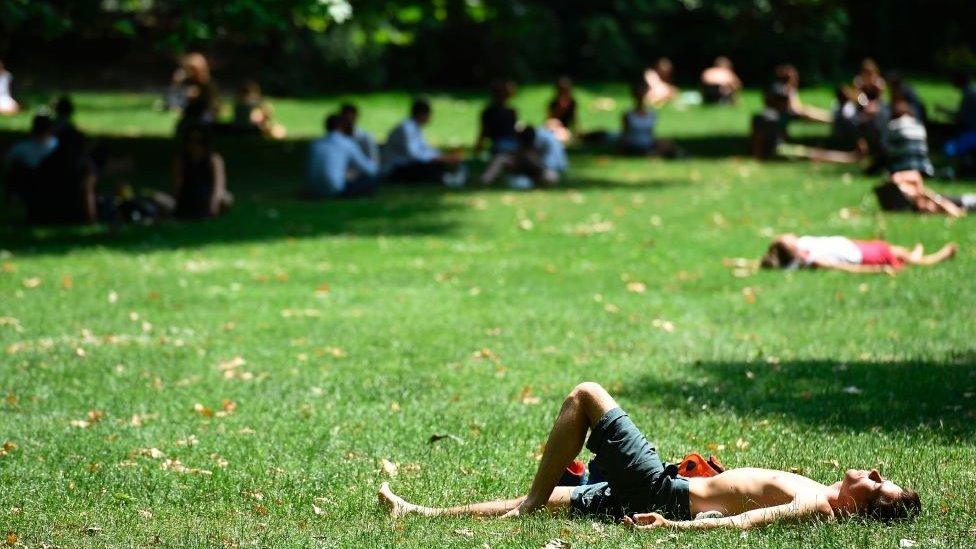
<point>7,103</point>
<point>408,158</point>
<point>789,251</point>
<point>337,167</point>
<point>350,116</point>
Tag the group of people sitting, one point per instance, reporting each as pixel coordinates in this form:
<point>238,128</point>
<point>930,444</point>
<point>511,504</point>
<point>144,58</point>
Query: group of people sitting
<point>54,174</point>
<point>892,134</point>
<point>195,95</point>
<point>346,162</point>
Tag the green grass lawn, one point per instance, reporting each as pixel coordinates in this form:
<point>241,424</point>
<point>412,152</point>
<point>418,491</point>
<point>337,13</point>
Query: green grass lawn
<point>238,382</point>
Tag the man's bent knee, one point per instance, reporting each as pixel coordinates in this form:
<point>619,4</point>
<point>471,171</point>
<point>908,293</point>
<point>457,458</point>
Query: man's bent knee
<point>593,398</point>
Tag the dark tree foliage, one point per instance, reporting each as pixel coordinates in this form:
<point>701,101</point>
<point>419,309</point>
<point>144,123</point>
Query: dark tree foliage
<point>310,44</point>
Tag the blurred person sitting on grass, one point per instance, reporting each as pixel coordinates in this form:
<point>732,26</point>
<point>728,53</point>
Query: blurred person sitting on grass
<point>253,114</point>
<point>660,84</point>
<point>350,125</point>
<point>646,493</point>
<point>408,158</point>
<point>768,139</point>
<point>789,251</point>
<point>905,141</point>
<point>539,160</point>
<point>337,167</point>
<point>561,111</point>
<point>199,177</point>
<point>637,128</point>
<point>720,84</point>
<point>497,122</point>
<point>7,103</point>
<point>789,77</point>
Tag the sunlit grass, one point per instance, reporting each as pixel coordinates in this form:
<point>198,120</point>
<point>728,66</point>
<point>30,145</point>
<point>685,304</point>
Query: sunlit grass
<point>363,328</point>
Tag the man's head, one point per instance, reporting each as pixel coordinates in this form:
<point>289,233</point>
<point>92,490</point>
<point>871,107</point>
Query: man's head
<point>502,91</point>
<point>350,114</point>
<point>900,107</point>
<point>333,123</point>
<point>64,108</point>
<point>723,62</point>
<point>664,68</point>
<point>777,97</point>
<point>868,494</point>
<point>41,126</point>
<point>420,111</point>
<point>638,90</point>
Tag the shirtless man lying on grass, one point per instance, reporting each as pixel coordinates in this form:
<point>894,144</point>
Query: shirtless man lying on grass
<point>644,492</point>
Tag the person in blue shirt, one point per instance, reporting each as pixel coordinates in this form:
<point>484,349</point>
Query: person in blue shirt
<point>365,140</point>
<point>539,160</point>
<point>24,157</point>
<point>337,167</point>
<point>408,158</point>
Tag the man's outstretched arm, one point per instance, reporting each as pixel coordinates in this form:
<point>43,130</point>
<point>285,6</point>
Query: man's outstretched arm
<point>744,521</point>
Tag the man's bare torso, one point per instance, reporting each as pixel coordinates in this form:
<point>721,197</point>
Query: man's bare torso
<point>739,490</point>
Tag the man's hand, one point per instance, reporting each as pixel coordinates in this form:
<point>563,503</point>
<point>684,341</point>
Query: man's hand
<point>646,521</point>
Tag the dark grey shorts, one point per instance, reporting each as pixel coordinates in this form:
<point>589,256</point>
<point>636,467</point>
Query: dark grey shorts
<point>637,480</point>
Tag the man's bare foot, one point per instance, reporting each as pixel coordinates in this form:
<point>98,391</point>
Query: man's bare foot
<point>951,249</point>
<point>396,505</point>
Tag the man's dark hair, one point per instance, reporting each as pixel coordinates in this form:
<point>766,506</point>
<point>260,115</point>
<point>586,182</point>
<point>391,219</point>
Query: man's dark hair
<point>639,87</point>
<point>886,509</point>
<point>348,108</point>
<point>332,122</point>
<point>420,107</point>
<point>526,137</point>
<point>777,256</point>
<point>41,124</point>
<point>64,107</point>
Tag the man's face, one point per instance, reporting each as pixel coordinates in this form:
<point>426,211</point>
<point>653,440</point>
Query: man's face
<point>859,487</point>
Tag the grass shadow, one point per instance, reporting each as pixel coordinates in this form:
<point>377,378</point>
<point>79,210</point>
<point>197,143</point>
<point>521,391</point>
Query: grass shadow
<point>890,396</point>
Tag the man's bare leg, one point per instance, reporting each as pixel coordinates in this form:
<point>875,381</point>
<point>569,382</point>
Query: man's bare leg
<point>399,507</point>
<point>583,407</point>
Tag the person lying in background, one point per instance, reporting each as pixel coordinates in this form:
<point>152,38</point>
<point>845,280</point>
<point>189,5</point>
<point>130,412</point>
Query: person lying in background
<point>644,492</point>
<point>561,111</point>
<point>720,84</point>
<point>789,251</point>
<point>337,167</point>
<point>660,86</point>
<point>906,191</point>
<point>905,141</point>
<point>199,177</point>
<point>253,114</point>
<point>789,77</point>
<point>497,122</point>
<point>539,160</point>
<point>7,103</point>
<point>362,138</point>
<point>408,158</point>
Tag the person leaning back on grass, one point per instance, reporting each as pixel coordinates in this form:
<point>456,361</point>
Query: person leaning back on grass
<point>644,492</point>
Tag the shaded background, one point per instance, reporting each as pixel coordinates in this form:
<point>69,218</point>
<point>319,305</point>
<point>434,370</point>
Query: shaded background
<point>305,46</point>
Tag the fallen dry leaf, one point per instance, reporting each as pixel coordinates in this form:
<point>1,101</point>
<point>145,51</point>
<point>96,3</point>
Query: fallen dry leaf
<point>636,287</point>
<point>526,397</point>
<point>388,467</point>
